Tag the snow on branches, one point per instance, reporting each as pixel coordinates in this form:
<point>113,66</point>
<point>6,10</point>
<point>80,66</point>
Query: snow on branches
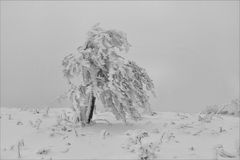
<point>98,70</point>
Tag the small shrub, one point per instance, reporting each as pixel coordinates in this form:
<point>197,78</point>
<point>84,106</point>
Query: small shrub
<point>43,151</point>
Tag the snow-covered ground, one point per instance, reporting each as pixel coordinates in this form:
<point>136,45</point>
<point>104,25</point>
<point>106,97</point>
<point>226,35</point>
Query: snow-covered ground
<point>33,134</point>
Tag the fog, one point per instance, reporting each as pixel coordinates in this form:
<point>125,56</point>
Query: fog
<point>190,49</point>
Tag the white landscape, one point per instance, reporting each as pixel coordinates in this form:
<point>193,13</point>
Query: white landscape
<point>136,78</point>
<point>31,133</point>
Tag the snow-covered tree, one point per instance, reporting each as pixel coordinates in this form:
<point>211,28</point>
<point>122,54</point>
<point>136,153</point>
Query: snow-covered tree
<point>97,70</point>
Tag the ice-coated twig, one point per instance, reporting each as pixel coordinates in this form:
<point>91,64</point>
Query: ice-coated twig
<point>198,132</point>
<point>104,134</point>
<point>219,111</point>
<point>104,120</point>
<point>76,133</point>
<point>19,152</point>
<point>209,116</point>
<point>12,147</point>
<point>36,124</point>
<point>161,139</point>
<point>43,151</point>
<point>220,151</point>
<point>144,150</point>
<point>19,146</point>
<point>46,113</point>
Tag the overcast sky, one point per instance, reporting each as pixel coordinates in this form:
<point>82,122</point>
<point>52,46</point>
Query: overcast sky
<point>190,49</point>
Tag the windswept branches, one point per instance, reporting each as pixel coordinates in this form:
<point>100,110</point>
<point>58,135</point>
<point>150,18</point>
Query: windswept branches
<point>98,70</point>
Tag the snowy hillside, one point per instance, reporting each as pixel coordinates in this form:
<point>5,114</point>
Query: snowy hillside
<point>39,134</point>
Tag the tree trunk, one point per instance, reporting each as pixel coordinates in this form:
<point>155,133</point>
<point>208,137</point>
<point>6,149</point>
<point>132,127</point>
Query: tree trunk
<point>83,117</point>
<point>92,106</point>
